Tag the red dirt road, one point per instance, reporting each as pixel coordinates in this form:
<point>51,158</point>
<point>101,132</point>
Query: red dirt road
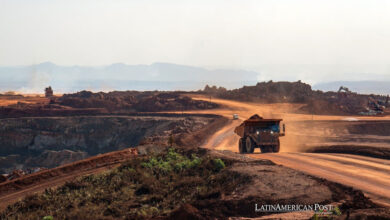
<point>370,175</point>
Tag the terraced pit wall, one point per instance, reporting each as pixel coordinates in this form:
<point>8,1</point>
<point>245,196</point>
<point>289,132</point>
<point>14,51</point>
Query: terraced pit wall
<point>52,141</point>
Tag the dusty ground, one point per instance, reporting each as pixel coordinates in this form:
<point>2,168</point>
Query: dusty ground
<point>280,183</point>
<point>300,131</point>
<point>368,174</point>
<point>275,184</point>
<point>28,99</point>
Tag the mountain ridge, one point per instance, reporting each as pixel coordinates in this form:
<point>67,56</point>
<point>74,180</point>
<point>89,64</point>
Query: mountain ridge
<point>154,76</point>
<point>119,76</point>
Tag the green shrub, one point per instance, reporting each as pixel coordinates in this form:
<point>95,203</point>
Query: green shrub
<point>173,161</point>
<point>151,163</point>
<point>336,211</point>
<point>218,164</point>
<point>49,217</point>
<point>172,155</point>
<point>196,161</point>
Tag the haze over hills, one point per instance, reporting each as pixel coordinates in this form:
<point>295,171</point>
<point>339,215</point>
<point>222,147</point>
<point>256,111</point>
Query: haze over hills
<point>157,76</point>
<point>119,76</point>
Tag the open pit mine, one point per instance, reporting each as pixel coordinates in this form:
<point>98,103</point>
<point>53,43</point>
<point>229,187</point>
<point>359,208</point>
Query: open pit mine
<point>276,150</point>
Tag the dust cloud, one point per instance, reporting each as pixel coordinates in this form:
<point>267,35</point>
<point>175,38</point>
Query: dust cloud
<point>303,131</point>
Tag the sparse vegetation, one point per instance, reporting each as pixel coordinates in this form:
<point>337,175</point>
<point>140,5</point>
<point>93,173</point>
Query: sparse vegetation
<point>219,164</point>
<point>141,188</point>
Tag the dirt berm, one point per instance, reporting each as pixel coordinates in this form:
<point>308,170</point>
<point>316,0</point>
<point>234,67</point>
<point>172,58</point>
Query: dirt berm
<point>378,152</point>
<point>274,184</point>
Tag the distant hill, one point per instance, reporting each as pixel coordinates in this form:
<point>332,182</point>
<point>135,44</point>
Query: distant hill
<point>363,87</point>
<point>119,76</point>
<point>157,76</point>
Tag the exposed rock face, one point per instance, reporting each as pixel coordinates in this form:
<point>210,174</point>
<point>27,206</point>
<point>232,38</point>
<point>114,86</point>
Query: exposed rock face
<point>9,163</point>
<point>52,141</point>
<point>51,158</point>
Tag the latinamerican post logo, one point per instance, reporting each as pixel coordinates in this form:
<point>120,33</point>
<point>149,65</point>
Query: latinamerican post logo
<point>316,208</point>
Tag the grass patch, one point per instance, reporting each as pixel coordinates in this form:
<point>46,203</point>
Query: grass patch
<point>140,188</point>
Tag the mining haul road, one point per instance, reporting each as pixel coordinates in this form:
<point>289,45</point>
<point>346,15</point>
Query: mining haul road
<point>371,175</point>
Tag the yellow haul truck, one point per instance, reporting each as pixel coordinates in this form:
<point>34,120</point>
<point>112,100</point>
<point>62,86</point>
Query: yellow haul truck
<point>257,132</point>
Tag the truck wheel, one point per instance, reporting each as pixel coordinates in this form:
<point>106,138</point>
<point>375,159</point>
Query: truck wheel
<point>249,145</point>
<point>276,147</point>
<point>241,146</point>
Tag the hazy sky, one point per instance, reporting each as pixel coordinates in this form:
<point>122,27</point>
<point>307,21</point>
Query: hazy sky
<point>311,39</point>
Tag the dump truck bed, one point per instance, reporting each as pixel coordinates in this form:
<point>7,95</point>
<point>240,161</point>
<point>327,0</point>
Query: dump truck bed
<point>259,123</point>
